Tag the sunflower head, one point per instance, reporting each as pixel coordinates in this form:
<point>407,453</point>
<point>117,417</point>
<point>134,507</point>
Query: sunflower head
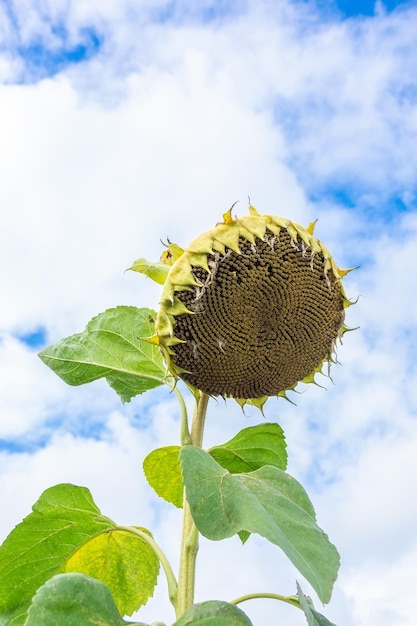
<point>250,308</point>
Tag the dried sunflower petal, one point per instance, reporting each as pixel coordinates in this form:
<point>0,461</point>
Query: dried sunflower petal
<point>262,307</point>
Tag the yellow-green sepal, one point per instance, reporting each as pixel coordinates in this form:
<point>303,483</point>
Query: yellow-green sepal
<point>157,271</point>
<point>257,402</point>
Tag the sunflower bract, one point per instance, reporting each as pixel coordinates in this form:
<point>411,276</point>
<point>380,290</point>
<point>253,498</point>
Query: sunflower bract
<point>251,308</point>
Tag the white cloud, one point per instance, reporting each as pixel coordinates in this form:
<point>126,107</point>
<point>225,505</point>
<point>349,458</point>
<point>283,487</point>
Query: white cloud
<point>373,523</point>
<point>390,583</point>
<point>25,390</point>
<point>102,186</point>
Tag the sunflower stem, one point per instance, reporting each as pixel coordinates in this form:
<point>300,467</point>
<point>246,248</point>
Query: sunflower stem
<point>189,539</point>
<point>199,419</point>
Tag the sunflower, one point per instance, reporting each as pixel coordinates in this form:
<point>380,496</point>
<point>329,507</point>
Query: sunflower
<point>250,308</point>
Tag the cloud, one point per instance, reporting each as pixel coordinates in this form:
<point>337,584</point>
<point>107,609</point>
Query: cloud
<point>373,523</point>
<point>390,582</point>
<point>345,105</point>
<point>93,179</point>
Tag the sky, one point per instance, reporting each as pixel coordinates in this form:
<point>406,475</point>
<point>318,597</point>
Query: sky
<point>126,122</point>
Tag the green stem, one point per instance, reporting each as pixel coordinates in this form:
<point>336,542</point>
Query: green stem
<point>199,419</point>
<point>166,566</point>
<point>293,600</point>
<point>185,436</point>
<point>189,540</point>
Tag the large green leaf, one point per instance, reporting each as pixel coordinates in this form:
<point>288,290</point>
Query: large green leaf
<point>123,562</point>
<point>17,617</point>
<point>73,600</point>
<point>313,617</point>
<point>111,347</point>
<point>63,518</point>
<point>163,473</point>
<point>268,502</point>
<point>251,448</point>
<point>66,531</point>
<point>214,613</point>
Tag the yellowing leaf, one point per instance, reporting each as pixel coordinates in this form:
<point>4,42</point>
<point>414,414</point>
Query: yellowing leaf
<point>123,562</point>
<point>163,473</point>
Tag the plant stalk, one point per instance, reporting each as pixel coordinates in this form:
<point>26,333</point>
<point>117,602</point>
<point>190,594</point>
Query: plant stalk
<point>185,436</point>
<point>189,539</point>
<point>293,600</point>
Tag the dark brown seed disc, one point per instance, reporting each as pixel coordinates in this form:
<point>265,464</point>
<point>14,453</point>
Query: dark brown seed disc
<point>263,320</point>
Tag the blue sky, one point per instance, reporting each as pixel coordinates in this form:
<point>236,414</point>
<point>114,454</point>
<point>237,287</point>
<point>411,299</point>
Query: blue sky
<point>126,122</point>
<point>355,8</point>
<point>53,48</point>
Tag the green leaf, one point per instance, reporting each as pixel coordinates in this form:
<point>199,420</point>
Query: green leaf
<point>156,271</point>
<point>313,617</point>
<point>268,502</point>
<point>63,518</point>
<point>252,448</point>
<point>111,347</point>
<point>163,473</point>
<point>16,617</point>
<point>214,613</point>
<point>243,536</point>
<point>73,600</point>
<point>66,532</point>
<point>123,562</point>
